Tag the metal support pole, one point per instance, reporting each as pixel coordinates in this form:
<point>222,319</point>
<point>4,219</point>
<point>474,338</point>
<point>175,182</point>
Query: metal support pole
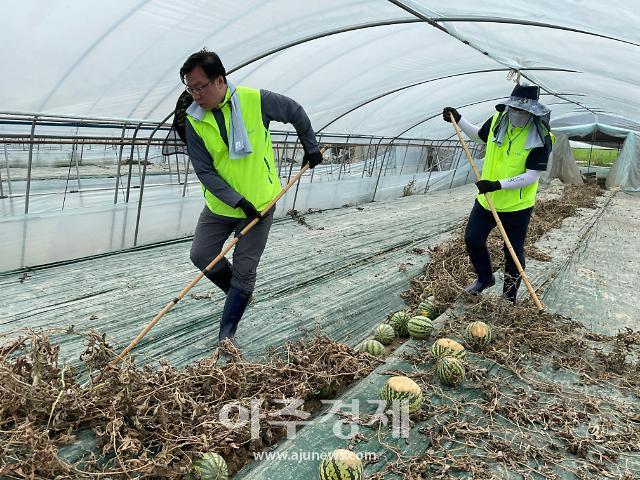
<point>115,196</point>
<point>384,155</point>
<point>375,157</point>
<point>144,173</point>
<point>404,158</point>
<point>29,165</point>
<point>6,164</point>
<point>418,163</point>
<point>343,158</point>
<point>313,170</point>
<point>177,168</point>
<point>593,139</point>
<point>432,166</point>
<point>293,157</point>
<point>454,172</point>
<point>366,158</point>
<point>78,165</point>
<point>186,176</point>
<point>388,149</point>
<point>133,139</point>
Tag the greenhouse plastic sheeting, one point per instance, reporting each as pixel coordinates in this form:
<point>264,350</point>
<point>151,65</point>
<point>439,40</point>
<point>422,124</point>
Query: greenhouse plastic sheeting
<point>43,237</point>
<point>586,129</point>
<point>625,172</point>
<point>357,66</point>
<point>562,165</point>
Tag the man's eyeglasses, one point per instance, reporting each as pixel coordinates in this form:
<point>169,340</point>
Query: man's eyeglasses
<point>197,90</point>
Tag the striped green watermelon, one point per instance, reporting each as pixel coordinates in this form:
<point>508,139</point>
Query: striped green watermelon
<point>326,391</point>
<point>450,371</point>
<point>447,347</point>
<point>341,465</point>
<point>478,335</point>
<point>384,333</point>
<point>428,308</point>
<point>371,346</point>
<point>402,388</point>
<point>419,327</point>
<point>399,321</point>
<point>210,466</point>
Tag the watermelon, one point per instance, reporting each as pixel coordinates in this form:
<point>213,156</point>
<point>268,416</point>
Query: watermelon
<point>450,371</point>
<point>371,346</point>
<point>399,321</point>
<point>326,391</point>
<point>384,333</point>
<point>210,466</point>
<point>341,465</point>
<point>428,309</point>
<point>402,388</point>
<point>447,347</point>
<point>419,327</point>
<point>478,335</point>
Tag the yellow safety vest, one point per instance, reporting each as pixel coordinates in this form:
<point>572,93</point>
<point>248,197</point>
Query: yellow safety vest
<point>254,176</point>
<point>499,165</point>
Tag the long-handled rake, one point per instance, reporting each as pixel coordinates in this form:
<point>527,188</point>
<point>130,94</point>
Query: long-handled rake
<point>198,277</point>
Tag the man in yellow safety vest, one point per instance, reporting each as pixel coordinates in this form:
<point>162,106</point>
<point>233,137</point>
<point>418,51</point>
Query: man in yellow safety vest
<point>229,144</point>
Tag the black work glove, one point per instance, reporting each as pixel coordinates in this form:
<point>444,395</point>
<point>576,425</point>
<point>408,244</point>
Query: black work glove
<point>447,110</point>
<point>248,209</point>
<point>312,159</point>
<point>486,186</point>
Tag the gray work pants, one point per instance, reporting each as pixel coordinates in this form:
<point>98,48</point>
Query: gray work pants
<point>211,233</point>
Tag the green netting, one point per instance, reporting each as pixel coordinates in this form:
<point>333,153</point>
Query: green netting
<point>561,411</point>
<point>339,269</point>
<point>537,415</point>
<point>545,422</point>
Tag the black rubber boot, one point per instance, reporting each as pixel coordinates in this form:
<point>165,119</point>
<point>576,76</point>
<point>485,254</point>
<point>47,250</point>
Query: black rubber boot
<point>476,287</point>
<point>221,277</point>
<point>510,288</point>
<point>237,300</point>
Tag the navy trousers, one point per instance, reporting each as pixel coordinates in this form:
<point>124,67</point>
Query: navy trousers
<point>479,226</point>
<point>212,231</point>
<point>237,280</point>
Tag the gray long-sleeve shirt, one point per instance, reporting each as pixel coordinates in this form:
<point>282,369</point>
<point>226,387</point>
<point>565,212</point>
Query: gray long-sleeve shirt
<point>274,107</point>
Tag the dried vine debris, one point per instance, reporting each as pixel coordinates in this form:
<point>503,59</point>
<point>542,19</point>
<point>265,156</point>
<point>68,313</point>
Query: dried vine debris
<point>449,270</point>
<point>151,423</point>
<point>548,399</point>
<point>299,217</point>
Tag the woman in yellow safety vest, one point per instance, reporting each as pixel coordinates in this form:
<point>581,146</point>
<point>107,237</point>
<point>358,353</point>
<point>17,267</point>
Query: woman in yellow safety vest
<point>518,146</point>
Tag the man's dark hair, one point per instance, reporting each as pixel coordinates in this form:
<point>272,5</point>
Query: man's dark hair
<point>209,61</point>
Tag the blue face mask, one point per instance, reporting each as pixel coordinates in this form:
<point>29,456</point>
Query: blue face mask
<point>518,118</point>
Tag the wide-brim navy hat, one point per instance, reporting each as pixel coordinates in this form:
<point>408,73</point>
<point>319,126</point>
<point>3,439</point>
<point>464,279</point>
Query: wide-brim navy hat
<point>525,97</point>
